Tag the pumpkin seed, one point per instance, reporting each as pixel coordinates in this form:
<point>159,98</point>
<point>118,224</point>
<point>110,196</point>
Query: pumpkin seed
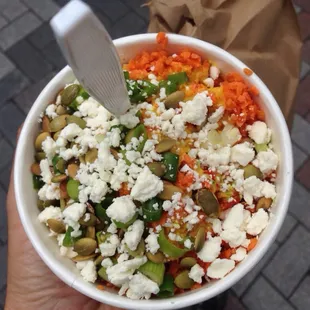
<point>58,123</point>
<point>85,246</point>
<point>208,202</point>
<point>56,135</point>
<point>40,138</point>
<point>61,165</point>
<point>69,94</point>
<point>72,119</point>
<point>63,190</point>
<point>157,258</point>
<point>121,233</point>
<point>172,101</point>
<point>72,170</point>
<point>92,220</point>
<point>139,251</point>
<point>82,159</point>
<point>60,110</point>
<point>165,145</point>
<point>98,260</point>
<point>263,203</point>
<point>35,169</point>
<point>250,171</point>
<point>39,156</point>
<point>81,258</point>
<point>59,178</point>
<point>114,153</point>
<point>91,155</point>
<point>56,226</point>
<point>157,168</point>
<point>200,239</point>
<point>73,189</point>
<point>46,124</point>
<point>188,262</point>
<point>168,191</point>
<point>42,204</point>
<point>62,204</point>
<point>182,280</point>
<point>91,232</point>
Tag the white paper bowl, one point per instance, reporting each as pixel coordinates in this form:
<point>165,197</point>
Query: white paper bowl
<point>47,247</point>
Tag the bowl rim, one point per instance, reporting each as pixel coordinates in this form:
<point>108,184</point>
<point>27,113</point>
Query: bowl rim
<point>194,296</point>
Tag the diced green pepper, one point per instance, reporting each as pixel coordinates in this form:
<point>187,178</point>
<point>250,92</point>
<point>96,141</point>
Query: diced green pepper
<point>75,103</point>
<point>169,86</point>
<point>58,164</point>
<point>171,161</point>
<point>101,213</point>
<point>37,182</point>
<point>102,273</point>
<point>123,152</point>
<point>152,209</point>
<point>68,239</point>
<point>153,271</point>
<point>178,78</point>
<point>169,248</point>
<point>125,225</point>
<point>126,75</point>
<point>167,287</point>
<point>140,90</point>
<point>102,237</point>
<point>73,189</point>
<point>137,132</point>
<point>261,147</point>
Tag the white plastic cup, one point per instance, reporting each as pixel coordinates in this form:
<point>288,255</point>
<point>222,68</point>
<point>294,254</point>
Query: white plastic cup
<point>48,248</point>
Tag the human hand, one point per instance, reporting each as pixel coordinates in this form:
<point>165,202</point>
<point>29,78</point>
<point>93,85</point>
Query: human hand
<point>30,283</point>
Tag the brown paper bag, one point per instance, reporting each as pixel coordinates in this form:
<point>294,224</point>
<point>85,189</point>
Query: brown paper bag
<point>264,34</point>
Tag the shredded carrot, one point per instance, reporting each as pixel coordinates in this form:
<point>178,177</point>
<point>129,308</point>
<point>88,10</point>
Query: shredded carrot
<point>196,285</point>
<point>174,268</point>
<point>248,71</point>
<point>239,102</point>
<point>186,159</point>
<point>184,180</point>
<point>100,287</point>
<point>162,39</point>
<point>161,221</point>
<point>227,253</point>
<point>252,244</point>
<point>124,190</point>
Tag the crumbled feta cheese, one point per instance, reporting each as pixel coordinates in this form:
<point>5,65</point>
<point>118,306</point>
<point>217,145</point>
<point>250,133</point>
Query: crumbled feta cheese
<point>266,161</point>
<point>242,153</point>
<point>196,273</point>
<point>112,229</point>
<point>214,72</point>
<point>220,268</point>
<point>234,218</point>
<point>133,234</point>
<point>215,158</point>
<point>152,244</point>
<point>268,190</point>
<point>188,243</point>
<point>123,257</point>
<point>50,212</point>
<point>107,262</point>
<point>147,186</point>
<point>122,272</point>
<point>108,248</point>
<point>115,137</point>
<point>49,192</point>
<point>240,255</point>
<point>259,132</point>
<point>217,115</point>
<point>252,188</point>
<point>210,250</point>
<point>49,147</point>
<point>141,287</point>
<point>98,191</point>
<point>72,214</point>
<point>46,173</point>
<point>257,223</point>
<point>129,120</point>
<point>168,114</point>
<point>51,111</point>
<point>70,131</point>
<point>194,111</point>
<point>162,93</point>
<point>233,236</point>
<point>216,225</point>
<point>209,82</point>
<point>89,272</point>
<point>122,209</point>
